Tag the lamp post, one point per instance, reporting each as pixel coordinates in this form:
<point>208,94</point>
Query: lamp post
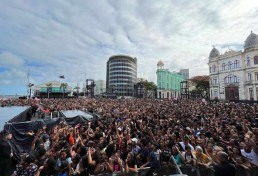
<point>30,86</point>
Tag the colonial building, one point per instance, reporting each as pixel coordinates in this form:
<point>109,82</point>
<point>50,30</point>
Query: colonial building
<point>168,83</point>
<point>234,74</point>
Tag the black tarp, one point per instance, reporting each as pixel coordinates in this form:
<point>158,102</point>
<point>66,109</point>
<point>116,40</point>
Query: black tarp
<point>21,142</point>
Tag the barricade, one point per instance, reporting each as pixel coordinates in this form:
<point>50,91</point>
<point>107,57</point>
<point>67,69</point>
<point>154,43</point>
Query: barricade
<point>170,170</point>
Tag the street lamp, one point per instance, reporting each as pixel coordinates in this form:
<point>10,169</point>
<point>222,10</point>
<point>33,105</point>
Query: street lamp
<point>30,86</point>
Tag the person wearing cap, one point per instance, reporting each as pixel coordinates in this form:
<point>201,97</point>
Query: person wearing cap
<point>136,148</point>
<point>6,154</point>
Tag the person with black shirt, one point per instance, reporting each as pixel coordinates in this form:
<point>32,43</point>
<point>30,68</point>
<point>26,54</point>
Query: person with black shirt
<point>6,154</point>
<point>224,168</point>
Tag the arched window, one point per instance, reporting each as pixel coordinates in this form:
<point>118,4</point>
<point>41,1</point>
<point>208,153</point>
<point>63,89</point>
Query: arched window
<point>229,65</point>
<point>223,66</point>
<point>230,79</point>
<point>214,68</point>
<point>255,60</point>
<point>236,64</point>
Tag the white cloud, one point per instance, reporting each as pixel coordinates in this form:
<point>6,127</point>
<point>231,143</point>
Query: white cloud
<point>76,38</point>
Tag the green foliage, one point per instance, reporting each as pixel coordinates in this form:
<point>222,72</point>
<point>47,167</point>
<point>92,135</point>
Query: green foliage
<point>201,84</point>
<point>149,85</point>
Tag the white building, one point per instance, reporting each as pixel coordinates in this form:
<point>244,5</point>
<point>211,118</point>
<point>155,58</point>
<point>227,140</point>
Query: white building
<point>234,74</point>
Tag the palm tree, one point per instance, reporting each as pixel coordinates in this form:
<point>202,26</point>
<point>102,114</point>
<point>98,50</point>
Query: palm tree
<point>49,86</point>
<point>63,86</point>
<point>77,88</point>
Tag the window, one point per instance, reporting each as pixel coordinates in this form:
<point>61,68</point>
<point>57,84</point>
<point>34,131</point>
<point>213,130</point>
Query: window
<point>215,93</point>
<point>223,66</point>
<point>251,93</point>
<point>249,76</point>
<point>236,64</point>
<point>229,65</point>
<point>256,76</point>
<point>215,81</point>
<point>256,93</point>
<point>255,60</point>
<point>230,79</point>
<point>210,69</point>
<point>214,68</point>
<point>248,61</point>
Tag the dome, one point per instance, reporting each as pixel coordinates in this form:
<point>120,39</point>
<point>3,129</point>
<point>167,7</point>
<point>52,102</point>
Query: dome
<point>160,64</point>
<point>251,41</point>
<point>214,52</point>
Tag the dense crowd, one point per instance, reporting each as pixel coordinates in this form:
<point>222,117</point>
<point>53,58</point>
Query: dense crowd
<point>139,133</point>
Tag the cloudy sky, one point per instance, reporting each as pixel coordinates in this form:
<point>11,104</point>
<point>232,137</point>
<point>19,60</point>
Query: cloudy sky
<point>75,38</point>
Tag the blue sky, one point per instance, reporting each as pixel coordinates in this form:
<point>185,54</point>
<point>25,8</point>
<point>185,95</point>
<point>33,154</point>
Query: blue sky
<point>76,38</point>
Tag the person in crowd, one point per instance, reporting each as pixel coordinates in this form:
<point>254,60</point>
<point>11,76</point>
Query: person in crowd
<point>6,154</point>
<point>117,163</point>
<point>130,163</point>
<point>48,168</point>
<point>224,168</point>
<point>26,166</point>
<point>188,158</point>
<point>185,142</point>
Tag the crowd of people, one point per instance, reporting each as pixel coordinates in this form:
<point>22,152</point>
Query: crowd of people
<point>134,134</point>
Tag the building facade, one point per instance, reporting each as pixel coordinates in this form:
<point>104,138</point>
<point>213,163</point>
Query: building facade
<point>121,75</point>
<point>53,91</point>
<point>168,83</point>
<point>234,74</point>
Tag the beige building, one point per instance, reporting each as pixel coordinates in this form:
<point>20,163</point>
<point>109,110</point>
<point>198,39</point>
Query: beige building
<point>234,74</point>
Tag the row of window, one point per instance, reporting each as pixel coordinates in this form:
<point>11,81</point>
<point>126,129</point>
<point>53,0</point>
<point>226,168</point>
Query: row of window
<point>234,79</point>
<point>122,73</point>
<point>250,77</point>
<point>234,65</point>
<point>124,65</point>
<point>121,69</point>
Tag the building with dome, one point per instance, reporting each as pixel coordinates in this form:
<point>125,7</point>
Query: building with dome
<point>168,83</point>
<point>234,74</point>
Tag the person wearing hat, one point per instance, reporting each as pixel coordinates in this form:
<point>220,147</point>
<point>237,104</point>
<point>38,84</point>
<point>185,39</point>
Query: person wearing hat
<point>6,154</point>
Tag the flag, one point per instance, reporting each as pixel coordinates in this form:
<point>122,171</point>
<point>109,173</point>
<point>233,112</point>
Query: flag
<point>62,77</point>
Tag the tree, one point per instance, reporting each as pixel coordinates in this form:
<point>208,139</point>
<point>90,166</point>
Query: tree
<point>201,84</point>
<point>148,86</point>
<point>77,88</point>
<point>49,86</point>
<point>63,86</point>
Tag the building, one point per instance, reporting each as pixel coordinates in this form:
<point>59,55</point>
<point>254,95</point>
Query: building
<point>168,83</point>
<point>51,89</point>
<point>100,87</point>
<point>234,74</point>
<point>121,75</point>
<point>185,73</point>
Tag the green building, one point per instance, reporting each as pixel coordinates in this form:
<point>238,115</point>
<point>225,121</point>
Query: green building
<point>52,89</point>
<point>168,83</point>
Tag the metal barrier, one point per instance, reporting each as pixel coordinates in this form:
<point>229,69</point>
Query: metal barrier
<point>172,170</point>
